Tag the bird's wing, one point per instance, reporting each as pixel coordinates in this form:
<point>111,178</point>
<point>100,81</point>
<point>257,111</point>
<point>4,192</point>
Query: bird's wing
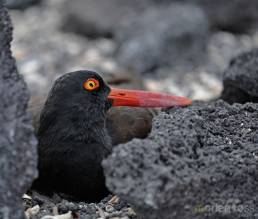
<point>125,123</point>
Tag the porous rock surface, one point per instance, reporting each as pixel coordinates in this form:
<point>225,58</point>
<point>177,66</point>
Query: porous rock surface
<point>240,79</point>
<point>17,142</point>
<point>198,162</point>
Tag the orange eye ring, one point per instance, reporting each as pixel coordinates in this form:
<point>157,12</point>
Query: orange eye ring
<point>91,84</point>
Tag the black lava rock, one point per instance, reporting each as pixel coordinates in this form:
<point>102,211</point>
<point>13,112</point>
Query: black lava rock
<point>241,79</point>
<point>17,141</point>
<point>198,162</point>
<point>173,34</point>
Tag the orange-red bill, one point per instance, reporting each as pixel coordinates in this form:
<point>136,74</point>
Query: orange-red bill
<point>139,98</point>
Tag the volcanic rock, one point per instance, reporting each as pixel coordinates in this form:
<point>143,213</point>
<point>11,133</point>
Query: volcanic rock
<point>241,79</point>
<point>173,34</point>
<point>111,207</point>
<point>100,18</point>
<point>198,162</point>
<point>234,16</point>
<point>17,142</point>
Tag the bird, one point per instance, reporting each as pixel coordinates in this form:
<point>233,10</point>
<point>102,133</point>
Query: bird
<point>123,123</point>
<point>72,135</point>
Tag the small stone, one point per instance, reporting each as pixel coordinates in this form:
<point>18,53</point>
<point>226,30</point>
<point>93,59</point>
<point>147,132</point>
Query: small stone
<point>30,212</point>
<point>109,208</point>
<point>68,215</point>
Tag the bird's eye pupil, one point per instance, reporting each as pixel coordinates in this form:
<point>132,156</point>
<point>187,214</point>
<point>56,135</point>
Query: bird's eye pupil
<point>91,84</point>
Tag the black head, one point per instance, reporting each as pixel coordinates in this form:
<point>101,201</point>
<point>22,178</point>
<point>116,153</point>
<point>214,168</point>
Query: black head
<point>80,88</point>
<point>77,102</point>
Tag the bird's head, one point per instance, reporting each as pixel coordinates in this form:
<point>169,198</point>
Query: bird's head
<point>87,89</point>
<point>80,91</point>
<point>79,100</point>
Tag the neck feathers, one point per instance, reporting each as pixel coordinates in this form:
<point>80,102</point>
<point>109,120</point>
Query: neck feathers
<point>73,125</point>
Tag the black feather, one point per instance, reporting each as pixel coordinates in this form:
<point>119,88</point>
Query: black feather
<point>72,138</point>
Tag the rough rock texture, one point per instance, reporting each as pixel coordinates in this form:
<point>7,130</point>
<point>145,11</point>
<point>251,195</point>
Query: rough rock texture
<point>111,206</point>
<point>17,142</point>
<point>241,79</point>
<point>198,162</point>
<point>173,34</point>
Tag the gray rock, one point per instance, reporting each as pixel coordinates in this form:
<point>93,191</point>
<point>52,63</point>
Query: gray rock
<point>17,141</point>
<point>100,18</point>
<point>236,16</point>
<point>20,4</point>
<point>241,78</point>
<point>198,162</point>
<point>173,34</point>
<point>111,206</point>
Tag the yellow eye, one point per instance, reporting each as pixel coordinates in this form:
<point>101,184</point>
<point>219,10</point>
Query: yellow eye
<point>91,84</point>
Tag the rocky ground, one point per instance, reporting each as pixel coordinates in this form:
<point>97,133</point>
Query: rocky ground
<point>39,206</point>
<point>177,47</point>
